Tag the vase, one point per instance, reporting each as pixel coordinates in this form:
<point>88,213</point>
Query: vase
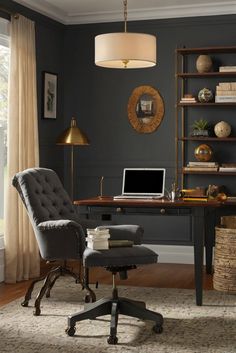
<point>205,95</point>
<point>222,129</point>
<point>204,63</point>
<point>203,153</point>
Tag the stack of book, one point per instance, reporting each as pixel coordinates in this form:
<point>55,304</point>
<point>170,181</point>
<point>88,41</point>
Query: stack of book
<point>228,167</point>
<point>226,92</point>
<point>97,239</point>
<point>188,98</point>
<point>201,167</point>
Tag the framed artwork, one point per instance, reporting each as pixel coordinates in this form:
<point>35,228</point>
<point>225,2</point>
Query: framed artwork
<point>49,95</point>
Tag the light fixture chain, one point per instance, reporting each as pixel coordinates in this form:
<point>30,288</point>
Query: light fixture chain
<point>125,14</point>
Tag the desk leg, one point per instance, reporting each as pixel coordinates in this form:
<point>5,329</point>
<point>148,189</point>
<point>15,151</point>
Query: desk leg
<point>198,239</point>
<point>209,238</point>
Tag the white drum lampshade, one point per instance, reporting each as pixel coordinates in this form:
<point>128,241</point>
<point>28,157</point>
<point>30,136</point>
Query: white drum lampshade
<point>125,50</point>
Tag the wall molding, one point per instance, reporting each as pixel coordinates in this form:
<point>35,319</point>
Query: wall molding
<point>161,12</point>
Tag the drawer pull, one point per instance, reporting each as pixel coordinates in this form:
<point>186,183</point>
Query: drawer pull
<point>119,210</point>
<point>162,211</point>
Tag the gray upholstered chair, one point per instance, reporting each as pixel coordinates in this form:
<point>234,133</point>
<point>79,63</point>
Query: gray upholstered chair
<point>117,260</point>
<point>59,231</point>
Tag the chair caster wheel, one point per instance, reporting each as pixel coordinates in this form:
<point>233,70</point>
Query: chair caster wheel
<point>157,329</point>
<point>87,298</point>
<point>70,331</point>
<point>25,303</point>
<point>112,340</point>
<point>37,312</point>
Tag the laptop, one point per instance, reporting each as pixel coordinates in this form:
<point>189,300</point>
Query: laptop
<point>144,183</point>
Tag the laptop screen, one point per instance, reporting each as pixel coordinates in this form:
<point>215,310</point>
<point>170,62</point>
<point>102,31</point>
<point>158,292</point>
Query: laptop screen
<point>143,181</point>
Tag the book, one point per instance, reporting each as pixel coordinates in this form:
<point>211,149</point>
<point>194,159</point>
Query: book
<point>200,169</point>
<point>197,192</point>
<point>227,169</point>
<point>227,68</point>
<point>122,243</point>
<point>202,164</point>
<point>220,92</point>
<point>97,244</point>
<point>188,101</point>
<point>227,86</point>
<point>98,234</point>
<point>188,98</point>
<point>195,199</point>
<point>228,165</point>
<point>231,198</point>
<point>225,99</point>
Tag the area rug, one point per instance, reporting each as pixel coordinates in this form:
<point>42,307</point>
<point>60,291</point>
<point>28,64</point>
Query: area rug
<point>188,328</point>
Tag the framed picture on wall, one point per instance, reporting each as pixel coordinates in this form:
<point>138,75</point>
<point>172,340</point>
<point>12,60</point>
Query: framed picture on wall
<point>49,95</point>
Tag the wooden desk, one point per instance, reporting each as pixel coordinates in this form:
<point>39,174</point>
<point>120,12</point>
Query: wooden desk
<point>203,222</point>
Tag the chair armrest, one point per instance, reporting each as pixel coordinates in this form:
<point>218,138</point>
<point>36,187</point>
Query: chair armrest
<point>125,232</point>
<point>60,239</point>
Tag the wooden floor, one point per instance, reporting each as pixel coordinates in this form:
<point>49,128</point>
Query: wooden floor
<point>155,275</point>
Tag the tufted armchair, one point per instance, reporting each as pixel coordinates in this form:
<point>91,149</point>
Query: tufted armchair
<point>59,231</point>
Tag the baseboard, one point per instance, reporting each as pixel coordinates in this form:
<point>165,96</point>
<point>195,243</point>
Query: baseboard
<point>173,254</point>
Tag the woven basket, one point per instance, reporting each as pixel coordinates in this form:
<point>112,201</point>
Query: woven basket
<point>224,278</point>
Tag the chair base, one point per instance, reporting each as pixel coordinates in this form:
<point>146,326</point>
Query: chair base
<point>115,306</point>
<point>49,281</point>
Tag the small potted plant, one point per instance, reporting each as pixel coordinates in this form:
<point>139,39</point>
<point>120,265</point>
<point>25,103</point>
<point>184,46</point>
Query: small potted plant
<point>200,128</point>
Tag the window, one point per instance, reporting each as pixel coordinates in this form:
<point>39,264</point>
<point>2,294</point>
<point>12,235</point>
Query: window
<point>4,71</point>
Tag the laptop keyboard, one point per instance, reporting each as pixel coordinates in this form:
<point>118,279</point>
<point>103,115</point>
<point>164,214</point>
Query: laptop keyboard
<point>118,197</point>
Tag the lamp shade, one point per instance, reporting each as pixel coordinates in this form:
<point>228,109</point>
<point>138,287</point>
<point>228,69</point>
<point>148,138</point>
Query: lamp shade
<point>72,136</point>
<point>125,50</point>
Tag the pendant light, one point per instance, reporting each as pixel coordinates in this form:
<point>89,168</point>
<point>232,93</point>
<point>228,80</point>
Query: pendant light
<point>125,50</point>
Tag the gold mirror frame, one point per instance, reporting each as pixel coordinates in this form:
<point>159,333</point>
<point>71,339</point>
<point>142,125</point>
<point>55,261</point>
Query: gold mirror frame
<point>139,124</point>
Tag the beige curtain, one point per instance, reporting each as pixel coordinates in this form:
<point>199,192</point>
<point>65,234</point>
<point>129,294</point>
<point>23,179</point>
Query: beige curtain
<point>21,251</point>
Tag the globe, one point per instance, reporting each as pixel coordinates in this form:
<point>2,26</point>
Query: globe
<point>203,153</point>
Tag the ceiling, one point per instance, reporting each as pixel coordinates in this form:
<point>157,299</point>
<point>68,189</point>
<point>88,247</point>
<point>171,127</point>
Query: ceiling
<point>94,11</point>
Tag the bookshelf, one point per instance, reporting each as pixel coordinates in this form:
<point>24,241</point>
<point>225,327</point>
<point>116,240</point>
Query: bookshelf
<point>189,80</point>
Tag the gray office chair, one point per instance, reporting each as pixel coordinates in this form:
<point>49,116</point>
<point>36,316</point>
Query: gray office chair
<point>117,260</point>
<point>59,231</point>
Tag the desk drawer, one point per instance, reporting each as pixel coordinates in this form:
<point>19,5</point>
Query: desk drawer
<point>168,226</point>
<point>138,211</point>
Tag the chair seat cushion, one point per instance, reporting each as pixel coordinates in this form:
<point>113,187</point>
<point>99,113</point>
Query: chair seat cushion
<point>124,256</point>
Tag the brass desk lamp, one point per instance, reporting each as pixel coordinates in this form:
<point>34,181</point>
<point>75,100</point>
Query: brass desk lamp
<point>72,136</point>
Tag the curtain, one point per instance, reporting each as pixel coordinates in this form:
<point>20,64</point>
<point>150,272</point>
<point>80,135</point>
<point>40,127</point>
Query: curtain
<point>21,252</point>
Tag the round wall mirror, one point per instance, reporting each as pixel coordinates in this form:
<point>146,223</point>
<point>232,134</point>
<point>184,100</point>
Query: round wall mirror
<point>145,109</point>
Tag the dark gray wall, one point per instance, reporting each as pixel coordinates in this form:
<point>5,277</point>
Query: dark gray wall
<point>98,98</point>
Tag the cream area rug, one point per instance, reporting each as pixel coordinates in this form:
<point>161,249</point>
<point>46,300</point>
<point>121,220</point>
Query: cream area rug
<point>188,328</point>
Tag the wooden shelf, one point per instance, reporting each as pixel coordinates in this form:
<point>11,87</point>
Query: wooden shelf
<point>208,172</point>
<point>217,139</point>
<point>213,104</point>
<point>207,50</point>
<point>206,74</point>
